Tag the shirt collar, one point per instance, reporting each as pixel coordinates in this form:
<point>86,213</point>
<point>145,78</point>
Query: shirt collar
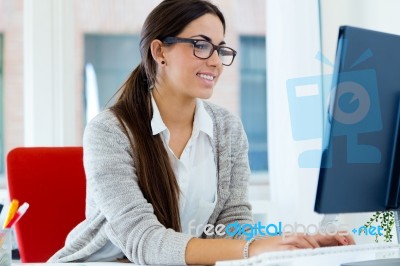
<point>157,124</point>
<point>202,120</point>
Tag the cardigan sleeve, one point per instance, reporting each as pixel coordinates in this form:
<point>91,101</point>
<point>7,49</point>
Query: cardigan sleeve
<point>112,184</point>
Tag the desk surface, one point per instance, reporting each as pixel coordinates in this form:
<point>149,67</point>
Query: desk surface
<point>329,256</point>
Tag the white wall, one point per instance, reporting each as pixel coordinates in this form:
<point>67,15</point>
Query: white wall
<point>293,40</point>
<point>371,14</point>
<point>49,93</point>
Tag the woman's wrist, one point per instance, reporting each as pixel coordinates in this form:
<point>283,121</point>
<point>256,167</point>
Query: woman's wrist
<point>246,248</point>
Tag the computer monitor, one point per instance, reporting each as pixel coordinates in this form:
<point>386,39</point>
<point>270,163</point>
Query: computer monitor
<point>360,162</point>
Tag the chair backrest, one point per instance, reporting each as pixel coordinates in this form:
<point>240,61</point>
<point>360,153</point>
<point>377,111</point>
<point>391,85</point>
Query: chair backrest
<point>52,180</point>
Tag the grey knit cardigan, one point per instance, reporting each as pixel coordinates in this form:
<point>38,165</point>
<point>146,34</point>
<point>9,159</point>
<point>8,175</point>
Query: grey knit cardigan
<point>116,210</point>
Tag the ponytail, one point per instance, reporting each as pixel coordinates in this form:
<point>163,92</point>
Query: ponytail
<point>155,176</point>
<point>134,110</point>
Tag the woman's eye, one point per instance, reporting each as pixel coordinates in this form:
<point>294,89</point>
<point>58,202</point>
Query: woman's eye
<point>202,46</point>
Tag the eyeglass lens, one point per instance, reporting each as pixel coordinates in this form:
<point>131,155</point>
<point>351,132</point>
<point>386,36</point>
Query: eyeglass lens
<point>203,49</point>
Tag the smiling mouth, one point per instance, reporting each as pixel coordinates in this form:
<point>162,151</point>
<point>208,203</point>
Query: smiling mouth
<point>207,77</point>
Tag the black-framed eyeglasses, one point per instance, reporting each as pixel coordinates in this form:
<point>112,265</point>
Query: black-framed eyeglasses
<point>204,49</point>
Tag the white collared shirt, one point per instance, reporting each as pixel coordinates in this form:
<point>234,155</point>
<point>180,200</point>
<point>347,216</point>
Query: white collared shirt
<point>195,170</point>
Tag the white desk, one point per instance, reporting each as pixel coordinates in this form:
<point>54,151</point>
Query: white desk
<point>331,256</point>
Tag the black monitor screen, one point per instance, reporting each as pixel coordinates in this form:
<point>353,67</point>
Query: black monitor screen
<point>359,165</point>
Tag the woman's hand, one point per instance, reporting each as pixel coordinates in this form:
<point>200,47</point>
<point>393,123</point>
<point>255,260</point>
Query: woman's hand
<point>298,241</point>
<point>339,239</point>
<point>276,243</point>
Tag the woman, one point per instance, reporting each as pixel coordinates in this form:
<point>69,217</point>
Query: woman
<point>161,163</point>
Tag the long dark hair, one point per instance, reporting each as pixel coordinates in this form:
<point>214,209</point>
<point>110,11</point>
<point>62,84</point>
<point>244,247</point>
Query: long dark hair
<point>133,108</point>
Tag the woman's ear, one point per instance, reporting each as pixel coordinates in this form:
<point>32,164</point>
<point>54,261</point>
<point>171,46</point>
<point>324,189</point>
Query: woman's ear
<point>157,52</point>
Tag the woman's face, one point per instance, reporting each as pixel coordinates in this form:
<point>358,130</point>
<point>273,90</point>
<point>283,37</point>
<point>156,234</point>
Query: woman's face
<point>184,74</point>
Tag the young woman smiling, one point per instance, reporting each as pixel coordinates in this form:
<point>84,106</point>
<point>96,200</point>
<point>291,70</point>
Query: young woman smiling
<point>162,159</point>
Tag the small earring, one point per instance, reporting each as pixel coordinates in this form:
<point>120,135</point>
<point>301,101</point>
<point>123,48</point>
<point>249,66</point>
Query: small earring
<point>162,62</point>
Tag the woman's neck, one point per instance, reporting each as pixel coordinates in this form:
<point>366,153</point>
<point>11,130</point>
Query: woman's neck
<point>176,112</point>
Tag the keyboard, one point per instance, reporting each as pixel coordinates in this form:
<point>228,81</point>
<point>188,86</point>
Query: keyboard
<point>326,256</point>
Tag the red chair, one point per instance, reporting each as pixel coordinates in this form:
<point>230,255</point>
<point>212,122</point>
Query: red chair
<point>52,181</point>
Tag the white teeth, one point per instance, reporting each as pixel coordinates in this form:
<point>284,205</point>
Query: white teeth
<point>207,77</point>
